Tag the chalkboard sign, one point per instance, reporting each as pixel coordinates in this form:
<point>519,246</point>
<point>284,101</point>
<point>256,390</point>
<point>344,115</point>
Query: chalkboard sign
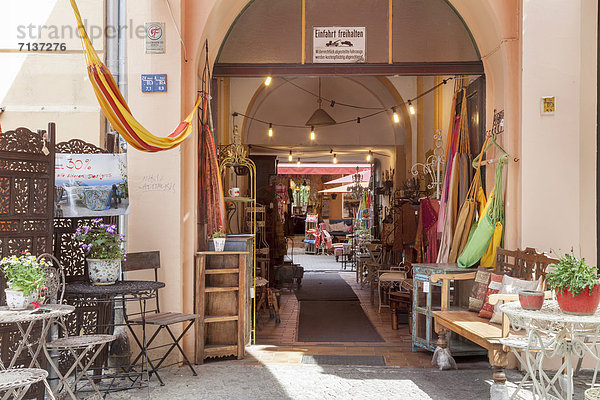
<point>154,83</point>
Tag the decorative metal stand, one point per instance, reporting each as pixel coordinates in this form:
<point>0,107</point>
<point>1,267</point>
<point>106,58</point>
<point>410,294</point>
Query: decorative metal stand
<point>434,166</point>
<point>235,156</point>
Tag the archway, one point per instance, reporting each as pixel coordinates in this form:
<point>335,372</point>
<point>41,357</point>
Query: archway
<point>492,29</point>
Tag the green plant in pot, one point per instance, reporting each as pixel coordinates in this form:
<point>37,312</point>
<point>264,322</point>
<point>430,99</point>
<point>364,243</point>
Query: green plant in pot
<point>576,285</point>
<point>26,279</point>
<point>219,239</point>
<point>103,246</point>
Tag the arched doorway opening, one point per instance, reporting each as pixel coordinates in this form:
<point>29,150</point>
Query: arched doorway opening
<point>497,59</point>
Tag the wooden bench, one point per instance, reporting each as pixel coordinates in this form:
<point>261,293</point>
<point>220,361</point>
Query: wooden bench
<point>523,264</point>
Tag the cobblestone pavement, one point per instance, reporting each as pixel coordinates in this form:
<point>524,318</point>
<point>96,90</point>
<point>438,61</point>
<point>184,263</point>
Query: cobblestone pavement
<point>229,381</point>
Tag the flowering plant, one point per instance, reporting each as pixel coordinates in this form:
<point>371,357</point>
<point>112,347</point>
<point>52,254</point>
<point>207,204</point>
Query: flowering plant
<point>101,241</point>
<point>24,273</point>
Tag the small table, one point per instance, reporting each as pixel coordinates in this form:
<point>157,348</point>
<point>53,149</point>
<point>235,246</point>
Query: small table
<point>141,291</point>
<point>401,301</point>
<point>25,321</point>
<point>553,333</point>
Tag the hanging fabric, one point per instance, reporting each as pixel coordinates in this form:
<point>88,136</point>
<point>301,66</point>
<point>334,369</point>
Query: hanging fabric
<point>479,241</point>
<point>464,152</point>
<point>466,215</point>
<point>115,107</point>
<point>449,209</point>
<point>211,200</point>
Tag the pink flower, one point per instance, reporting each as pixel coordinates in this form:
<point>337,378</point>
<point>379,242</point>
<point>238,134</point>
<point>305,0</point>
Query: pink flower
<point>35,304</point>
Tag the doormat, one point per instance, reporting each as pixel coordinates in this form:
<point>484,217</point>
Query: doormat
<point>325,286</point>
<point>335,321</point>
<point>374,361</point>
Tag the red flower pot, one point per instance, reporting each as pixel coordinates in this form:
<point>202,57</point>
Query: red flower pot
<point>531,299</point>
<point>583,303</point>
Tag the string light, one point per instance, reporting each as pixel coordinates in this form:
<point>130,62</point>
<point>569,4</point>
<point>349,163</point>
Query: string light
<point>290,157</point>
<point>335,158</point>
<point>298,162</point>
<point>395,115</point>
<point>369,155</point>
<point>270,130</point>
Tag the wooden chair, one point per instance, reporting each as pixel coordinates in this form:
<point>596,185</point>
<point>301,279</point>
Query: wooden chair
<point>154,316</point>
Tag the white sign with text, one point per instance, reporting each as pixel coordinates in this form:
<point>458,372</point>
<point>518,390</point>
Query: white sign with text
<point>337,44</point>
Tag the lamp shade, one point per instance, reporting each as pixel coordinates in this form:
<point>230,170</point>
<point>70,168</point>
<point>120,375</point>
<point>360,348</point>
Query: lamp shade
<point>320,118</point>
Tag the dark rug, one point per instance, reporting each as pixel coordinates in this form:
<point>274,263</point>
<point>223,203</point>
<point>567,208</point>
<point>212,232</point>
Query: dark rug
<point>324,286</point>
<point>375,361</point>
<point>335,321</point>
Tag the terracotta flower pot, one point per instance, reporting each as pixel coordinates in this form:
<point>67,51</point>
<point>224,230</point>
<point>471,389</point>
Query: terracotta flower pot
<point>584,303</point>
<point>531,299</point>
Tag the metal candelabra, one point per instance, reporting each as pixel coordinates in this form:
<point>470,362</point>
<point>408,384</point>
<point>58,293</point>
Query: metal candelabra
<point>434,166</point>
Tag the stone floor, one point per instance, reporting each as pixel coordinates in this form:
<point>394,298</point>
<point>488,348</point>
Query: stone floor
<point>273,368</point>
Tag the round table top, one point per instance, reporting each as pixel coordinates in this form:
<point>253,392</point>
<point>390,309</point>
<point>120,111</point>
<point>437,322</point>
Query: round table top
<point>549,312</point>
<point>118,288</point>
<point>46,311</point>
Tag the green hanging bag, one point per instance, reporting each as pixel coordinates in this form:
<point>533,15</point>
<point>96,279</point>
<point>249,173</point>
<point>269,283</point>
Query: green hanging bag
<point>480,239</point>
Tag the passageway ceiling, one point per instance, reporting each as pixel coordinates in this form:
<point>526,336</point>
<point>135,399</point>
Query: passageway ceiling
<point>284,103</point>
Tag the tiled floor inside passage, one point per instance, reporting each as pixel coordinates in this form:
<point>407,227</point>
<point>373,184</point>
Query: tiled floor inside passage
<point>277,343</point>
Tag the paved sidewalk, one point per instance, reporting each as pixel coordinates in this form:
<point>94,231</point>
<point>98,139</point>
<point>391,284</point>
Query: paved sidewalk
<point>230,381</point>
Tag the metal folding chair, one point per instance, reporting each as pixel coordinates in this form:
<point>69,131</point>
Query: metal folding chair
<point>154,316</point>
<point>83,348</point>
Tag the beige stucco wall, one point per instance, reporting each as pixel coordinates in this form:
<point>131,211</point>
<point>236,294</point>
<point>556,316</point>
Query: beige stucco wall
<point>41,87</point>
<point>559,150</point>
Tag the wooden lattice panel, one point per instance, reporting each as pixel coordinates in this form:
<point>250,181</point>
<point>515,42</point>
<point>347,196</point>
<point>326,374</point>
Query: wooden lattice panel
<point>26,191</point>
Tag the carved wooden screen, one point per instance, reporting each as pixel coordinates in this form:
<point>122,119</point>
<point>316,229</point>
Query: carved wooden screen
<point>26,214</point>
<point>90,316</point>
<point>26,191</point>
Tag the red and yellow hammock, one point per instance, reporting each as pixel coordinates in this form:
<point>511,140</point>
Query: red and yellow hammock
<point>115,108</point>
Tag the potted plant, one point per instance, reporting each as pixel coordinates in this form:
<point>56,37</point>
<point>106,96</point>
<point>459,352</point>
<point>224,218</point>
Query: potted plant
<point>25,277</point>
<point>219,239</point>
<point>104,251</point>
<point>575,284</point>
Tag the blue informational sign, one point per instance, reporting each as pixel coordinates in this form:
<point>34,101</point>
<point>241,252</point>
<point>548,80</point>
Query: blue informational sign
<point>154,83</point>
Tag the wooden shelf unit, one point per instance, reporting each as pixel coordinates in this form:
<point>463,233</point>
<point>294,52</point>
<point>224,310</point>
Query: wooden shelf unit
<point>220,300</point>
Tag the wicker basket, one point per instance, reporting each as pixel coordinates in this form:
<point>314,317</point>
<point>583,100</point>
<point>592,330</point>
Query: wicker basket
<point>592,394</point>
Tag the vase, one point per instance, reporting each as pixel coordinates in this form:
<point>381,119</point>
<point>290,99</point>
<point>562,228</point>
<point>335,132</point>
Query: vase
<point>103,272</point>
<point>584,303</point>
<point>219,243</point>
<point>17,300</point>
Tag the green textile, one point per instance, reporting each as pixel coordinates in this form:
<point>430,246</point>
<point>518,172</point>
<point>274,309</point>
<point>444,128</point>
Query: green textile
<point>480,239</point>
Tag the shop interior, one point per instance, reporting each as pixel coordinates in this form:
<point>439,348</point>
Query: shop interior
<point>345,208</point>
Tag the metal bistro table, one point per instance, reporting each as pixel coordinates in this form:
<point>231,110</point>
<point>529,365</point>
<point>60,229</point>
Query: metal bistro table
<point>84,293</point>
<point>552,333</point>
<point>25,321</point>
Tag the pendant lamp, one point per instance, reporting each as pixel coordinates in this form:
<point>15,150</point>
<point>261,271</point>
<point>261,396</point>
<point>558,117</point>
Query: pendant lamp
<point>320,116</point>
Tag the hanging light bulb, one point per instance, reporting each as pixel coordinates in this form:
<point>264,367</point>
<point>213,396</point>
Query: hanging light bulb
<point>335,158</point>
<point>290,157</point>
<point>268,81</point>
<point>270,130</point>
<point>395,115</point>
<point>369,155</point>
<point>298,162</point>
<point>312,133</point>
<point>411,109</point>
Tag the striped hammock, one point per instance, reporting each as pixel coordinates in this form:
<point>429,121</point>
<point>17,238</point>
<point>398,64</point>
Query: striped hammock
<point>115,108</point>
